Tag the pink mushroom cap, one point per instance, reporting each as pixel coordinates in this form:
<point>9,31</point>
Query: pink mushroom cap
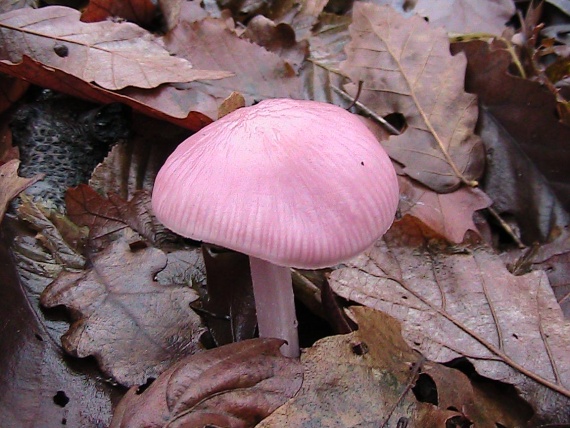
<point>295,183</point>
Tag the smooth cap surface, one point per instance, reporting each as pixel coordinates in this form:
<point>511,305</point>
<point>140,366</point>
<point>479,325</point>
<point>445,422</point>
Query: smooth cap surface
<point>297,183</point>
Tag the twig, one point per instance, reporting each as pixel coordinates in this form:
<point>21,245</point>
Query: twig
<point>411,382</point>
<point>366,110</point>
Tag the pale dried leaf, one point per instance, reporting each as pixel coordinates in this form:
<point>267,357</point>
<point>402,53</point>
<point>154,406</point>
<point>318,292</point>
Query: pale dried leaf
<point>361,380</point>
<point>457,16</point>
<point>455,303</point>
<point>406,67</point>
<point>112,55</point>
<point>133,326</point>
<point>11,185</point>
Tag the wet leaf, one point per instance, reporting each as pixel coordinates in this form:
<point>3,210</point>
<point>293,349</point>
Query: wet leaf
<point>112,216</point>
<point>112,55</point>
<point>134,327</point>
<point>11,185</point>
<point>365,379</point>
<point>406,68</point>
<point>449,215</point>
<point>525,140</point>
<point>456,303</point>
<point>235,385</point>
<point>41,386</point>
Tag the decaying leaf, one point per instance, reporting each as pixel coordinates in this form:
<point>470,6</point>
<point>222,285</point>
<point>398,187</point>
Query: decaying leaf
<point>449,215</point>
<point>365,379</point>
<point>523,134</point>
<point>112,55</point>
<point>133,326</point>
<point>406,68</point>
<point>111,216</point>
<point>11,185</point>
<point>235,385</point>
<point>40,388</point>
<point>454,303</point>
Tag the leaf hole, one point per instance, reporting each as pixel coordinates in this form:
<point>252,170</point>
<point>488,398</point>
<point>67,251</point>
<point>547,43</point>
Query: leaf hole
<point>397,120</point>
<point>425,389</point>
<point>515,336</point>
<point>61,399</point>
<point>360,348</point>
<point>142,388</point>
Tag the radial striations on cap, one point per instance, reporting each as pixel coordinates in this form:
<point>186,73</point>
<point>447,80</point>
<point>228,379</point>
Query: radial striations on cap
<point>297,183</point>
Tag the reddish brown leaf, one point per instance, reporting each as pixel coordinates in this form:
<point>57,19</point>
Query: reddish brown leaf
<point>112,55</point>
<point>107,217</point>
<point>449,215</point>
<point>454,303</point>
<point>141,12</point>
<point>164,103</point>
<point>235,385</point>
<point>11,185</point>
<point>406,68</point>
<point>134,327</point>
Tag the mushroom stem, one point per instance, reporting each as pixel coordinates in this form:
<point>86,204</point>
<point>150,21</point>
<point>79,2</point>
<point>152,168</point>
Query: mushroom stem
<point>274,303</point>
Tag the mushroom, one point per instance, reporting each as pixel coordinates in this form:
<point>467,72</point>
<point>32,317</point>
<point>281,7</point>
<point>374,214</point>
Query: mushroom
<point>291,184</point>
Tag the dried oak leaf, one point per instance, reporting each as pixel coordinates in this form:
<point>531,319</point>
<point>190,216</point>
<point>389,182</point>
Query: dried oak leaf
<point>133,326</point>
<point>523,134</point>
<point>483,16</point>
<point>364,379</point>
<point>235,385</point>
<point>164,103</point>
<point>258,73</point>
<point>454,304</point>
<point>449,215</point>
<point>11,185</point>
<point>112,55</point>
<point>406,68</point>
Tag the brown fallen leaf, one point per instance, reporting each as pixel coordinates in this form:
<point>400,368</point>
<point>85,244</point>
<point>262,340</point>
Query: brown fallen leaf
<point>277,38</point>
<point>41,386</point>
<point>112,55</point>
<point>141,12</point>
<point>258,73</point>
<point>483,16</point>
<point>372,378</point>
<point>11,185</point>
<point>134,327</point>
<point>526,140</point>
<point>164,103</point>
<point>449,215</point>
<point>454,303</point>
<point>111,216</point>
<point>235,385</point>
<point>406,68</point>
